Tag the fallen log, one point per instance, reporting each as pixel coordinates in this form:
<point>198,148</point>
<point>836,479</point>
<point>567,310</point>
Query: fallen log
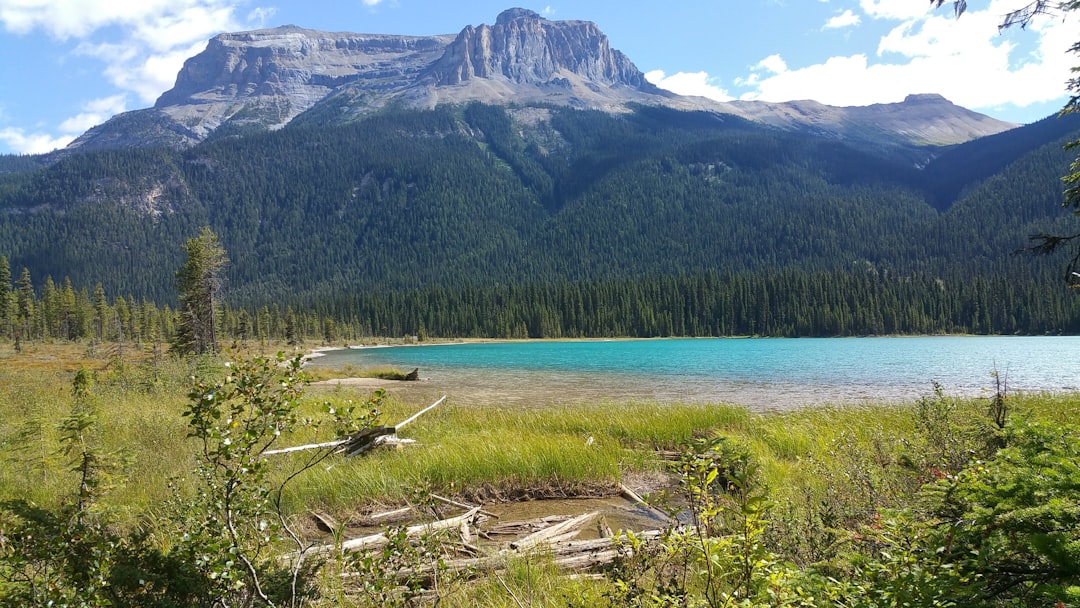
<point>633,497</point>
<point>421,412</point>
<point>361,448</point>
<point>528,526</point>
<point>547,534</point>
<point>380,539</point>
<point>363,440</point>
<point>461,505</point>
<point>324,522</point>
<point>575,556</point>
<point>395,512</point>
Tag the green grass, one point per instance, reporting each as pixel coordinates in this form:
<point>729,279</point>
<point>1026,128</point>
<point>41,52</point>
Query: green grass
<point>471,451</point>
<point>317,374</point>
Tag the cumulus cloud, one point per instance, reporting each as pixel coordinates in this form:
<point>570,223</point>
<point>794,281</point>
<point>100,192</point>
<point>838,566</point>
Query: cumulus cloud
<point>94,113</point>
<point>965,59</point>
<point>142,45</point>
<point>895,9</point>
<point>697,84</point>
<point>32,143</point>
<point>844,19</point>
<point>773,63</point>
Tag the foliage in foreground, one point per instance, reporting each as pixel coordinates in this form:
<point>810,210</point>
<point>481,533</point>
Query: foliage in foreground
<point>1000,531</point>
<point>977,504</point>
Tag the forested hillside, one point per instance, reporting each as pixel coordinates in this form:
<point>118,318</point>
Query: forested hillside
<point>483,199</point>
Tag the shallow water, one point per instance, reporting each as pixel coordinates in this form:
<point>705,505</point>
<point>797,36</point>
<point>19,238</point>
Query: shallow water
<point>769,373</point>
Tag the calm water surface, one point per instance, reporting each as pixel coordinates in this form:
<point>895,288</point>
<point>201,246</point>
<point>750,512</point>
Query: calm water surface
<point>762,373</point>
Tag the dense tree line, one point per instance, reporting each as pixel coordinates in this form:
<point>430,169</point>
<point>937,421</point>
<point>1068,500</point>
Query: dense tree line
<point>479,196</point>
<point>786,303</point>
<point>862,301</point>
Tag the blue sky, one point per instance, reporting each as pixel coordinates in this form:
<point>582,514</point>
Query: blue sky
<point>71,64</point>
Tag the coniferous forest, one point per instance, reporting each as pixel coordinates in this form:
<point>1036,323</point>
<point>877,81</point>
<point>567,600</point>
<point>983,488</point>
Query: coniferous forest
<point>485,221</point>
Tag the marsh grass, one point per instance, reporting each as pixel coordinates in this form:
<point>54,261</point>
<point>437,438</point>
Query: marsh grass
<point>861,458</point>
<point>531,580</point>
<point>318,374</point>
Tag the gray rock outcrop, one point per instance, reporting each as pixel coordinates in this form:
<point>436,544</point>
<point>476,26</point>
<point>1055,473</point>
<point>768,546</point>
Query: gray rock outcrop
<point>265,79</point>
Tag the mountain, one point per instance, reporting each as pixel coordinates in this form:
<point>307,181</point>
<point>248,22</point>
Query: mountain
<point>266,79</point>
<point>531,153</point>
<point>478,194</point>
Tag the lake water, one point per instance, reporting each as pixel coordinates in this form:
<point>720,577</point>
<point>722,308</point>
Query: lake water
<point>766,373</point>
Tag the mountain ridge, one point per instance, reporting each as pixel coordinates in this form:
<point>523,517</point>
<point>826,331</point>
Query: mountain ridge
<point>265,79</point>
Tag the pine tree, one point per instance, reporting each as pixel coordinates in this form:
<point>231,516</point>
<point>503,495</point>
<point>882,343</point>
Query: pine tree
<point>199,282</point>
<point>7,299</point>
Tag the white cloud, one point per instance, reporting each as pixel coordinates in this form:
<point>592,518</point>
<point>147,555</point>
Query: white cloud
<point>773,63</point>
<point>548,11</point>
<point>32,143</point>
<point>79,18</point>
<point>142,43</point>
<point>689,83</point>
<point>895,9</point>
<point>964,59</point>
<point>94,113</point>
<point>844,19</point>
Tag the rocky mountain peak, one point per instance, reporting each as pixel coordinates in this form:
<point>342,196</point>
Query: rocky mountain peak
<point>524,48</point>
<point>513,14</point>
<point>264,79</point>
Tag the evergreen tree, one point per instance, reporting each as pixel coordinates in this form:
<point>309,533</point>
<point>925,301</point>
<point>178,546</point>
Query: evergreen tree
<point>24,303</point>
<point>199,282</point>
<point>7,299</point>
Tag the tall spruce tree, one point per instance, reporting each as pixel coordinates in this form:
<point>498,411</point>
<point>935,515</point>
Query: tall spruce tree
<point>7,299</point>
<point>199,282</point>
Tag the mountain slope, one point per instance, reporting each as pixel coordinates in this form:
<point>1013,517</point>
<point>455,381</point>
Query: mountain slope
<point>479,194</point>
<point>263,80</point>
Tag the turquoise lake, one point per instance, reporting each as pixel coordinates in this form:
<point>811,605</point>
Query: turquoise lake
<point>766,373</point>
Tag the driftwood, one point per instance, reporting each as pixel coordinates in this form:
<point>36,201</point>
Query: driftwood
<point>572,556</point>
<point>461,505</point>
<point>324,522</point>
<point>517,528</point>
<point>380,539</point>
<point>388,514</point>
<point>362,441</point>
<point>547,535</point>
<point>633,497</point>
<point>373,541</point>
<point>413,376</point>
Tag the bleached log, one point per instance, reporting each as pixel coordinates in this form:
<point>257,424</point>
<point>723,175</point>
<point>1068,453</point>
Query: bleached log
<point>461,505</point>
<point>310,446</point>
<point>573,555</point>
<point>362,441</point>
<point>466,533</point>
<point>363,447</point>
<point>401,511</point>
<point>633,497</point>
<point>378,540</point>
<point>553,531</point>
<point>421,412</point>
<point>517,528</point>
<point>324,522</point>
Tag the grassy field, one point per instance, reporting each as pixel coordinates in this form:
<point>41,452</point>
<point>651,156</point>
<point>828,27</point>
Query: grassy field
<point>475,452</point>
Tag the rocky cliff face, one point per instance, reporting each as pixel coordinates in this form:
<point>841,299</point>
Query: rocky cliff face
<point>268,77</point>
<point>524,48</point>
<point>264,79</point>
